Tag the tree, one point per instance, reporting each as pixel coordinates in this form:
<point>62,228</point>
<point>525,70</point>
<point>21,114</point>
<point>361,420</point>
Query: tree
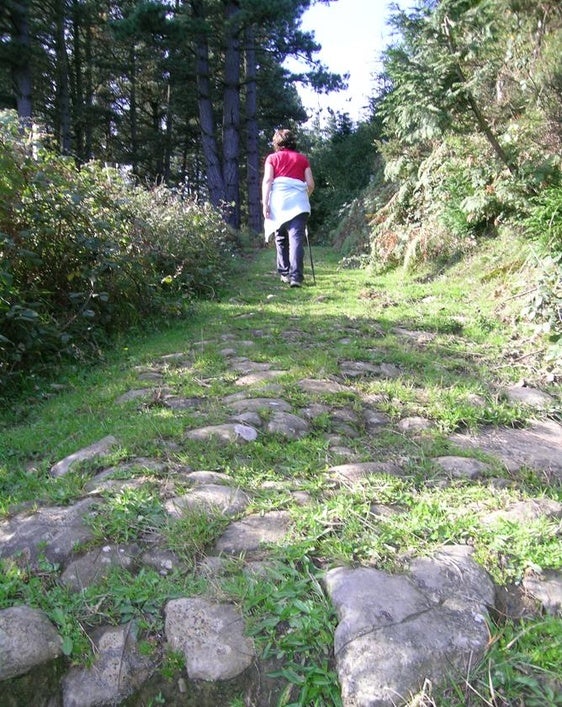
<point>461,65</point>
<point>344,162</point>
<point>444,69</point>
<point>272,33</point>
<point>63,107</point>
<point>252,131</point>
<point>16,54</point>
<point>177,90</point>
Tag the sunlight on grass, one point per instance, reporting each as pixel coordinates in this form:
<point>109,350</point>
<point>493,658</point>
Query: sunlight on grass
<point>447,368</point>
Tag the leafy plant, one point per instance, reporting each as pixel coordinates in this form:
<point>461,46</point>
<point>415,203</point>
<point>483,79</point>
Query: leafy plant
<point>521,667</point>
<point>293,621</point>
<point>544,222</point>
<point>190,535</point>
<point>85,254</point>
<point>544,304</point>
<point>125,516</point>
<point>122,597</point>
<point>40,589</point>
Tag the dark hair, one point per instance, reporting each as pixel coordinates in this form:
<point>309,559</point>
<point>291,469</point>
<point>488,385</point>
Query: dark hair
<point>283,139</point>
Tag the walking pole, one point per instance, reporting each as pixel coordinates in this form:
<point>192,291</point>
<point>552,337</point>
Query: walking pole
<point>310,253</point>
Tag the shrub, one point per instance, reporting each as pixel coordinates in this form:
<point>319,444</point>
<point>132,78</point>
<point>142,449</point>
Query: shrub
<point>84,253</point>
<point>448,198</point>
<point>544,222</point>
<point>544,305</point>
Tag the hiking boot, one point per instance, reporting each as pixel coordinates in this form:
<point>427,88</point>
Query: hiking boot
<point>295,283</point>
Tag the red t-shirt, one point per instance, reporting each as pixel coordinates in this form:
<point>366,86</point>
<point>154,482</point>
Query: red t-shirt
<point>288,163</point>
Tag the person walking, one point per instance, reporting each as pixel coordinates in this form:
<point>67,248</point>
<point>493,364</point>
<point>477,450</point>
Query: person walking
<point>286,187</point>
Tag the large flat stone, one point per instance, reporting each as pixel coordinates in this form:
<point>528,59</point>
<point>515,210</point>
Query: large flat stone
<point>321,387</point>
<point>257,404</point>
<point>249,534</point>
<point>212,498</point>
<point>354,472</point>
<point>97,449</point>
<point>538,446</point>
<point>288,425</point>
<point>227,432</point>
<point>546,588</point>
<point>116,673</point>
<point>52,532</point>
<point>396,631</point>
<point>211,637</point>
<point>97,564</point>
<point>27,639</point>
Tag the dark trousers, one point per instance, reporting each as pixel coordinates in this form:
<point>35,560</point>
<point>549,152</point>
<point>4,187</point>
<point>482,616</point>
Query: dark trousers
<point>289,242</point>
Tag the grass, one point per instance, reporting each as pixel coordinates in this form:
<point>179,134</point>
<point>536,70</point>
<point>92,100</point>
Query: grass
<point>522,667</point>
<point>464,349</point>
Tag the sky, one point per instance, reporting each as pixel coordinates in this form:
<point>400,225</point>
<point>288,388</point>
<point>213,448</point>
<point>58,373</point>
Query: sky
<point>352,34</point>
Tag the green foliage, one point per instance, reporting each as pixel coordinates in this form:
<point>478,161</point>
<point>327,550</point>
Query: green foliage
<point>118,598</point>
<point>84,254</point>
<point>122,597</point>
<point>443,62</point>
<point>40,589</point>
<point>471,127</point>
<point>343,160</point>
<point>544,222</point>
<point>197,530</point>
<point>544,305</point>
<point>125,516</point>
<point>509,545</point>
<point>454,196</point>
<point>293,621</point>
<point>522,666</point>
<point>544,302</point>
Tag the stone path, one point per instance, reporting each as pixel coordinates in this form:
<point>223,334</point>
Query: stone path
<point>395,632</point>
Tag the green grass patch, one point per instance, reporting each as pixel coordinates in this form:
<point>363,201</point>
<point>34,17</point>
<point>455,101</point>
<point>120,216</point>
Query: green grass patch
<point>452,340</point>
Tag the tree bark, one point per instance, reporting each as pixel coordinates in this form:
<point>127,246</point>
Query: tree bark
<point>252,134</point>
<point>133,117</point>
<point>21,69</point>
<point>63,87</point>
<point>215,180</point>
<point>231,116</point>
<point>77,83</point>
<point>168,135</point>
<point>88,90</point>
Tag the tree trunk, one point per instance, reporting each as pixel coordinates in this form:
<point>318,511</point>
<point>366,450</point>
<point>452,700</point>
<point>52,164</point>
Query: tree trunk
<point>231,116</point>
<point>252,141</point>
<point>21,68</point>
<point>215,182</point>
<point>63,88</point>
<point>489,133</point>
<point>133,117</point>
<point>168,136</point>
<point>78,84</point>
<point>88,91</point>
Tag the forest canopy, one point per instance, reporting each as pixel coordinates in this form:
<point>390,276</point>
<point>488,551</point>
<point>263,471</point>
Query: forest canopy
<point>181,92</point>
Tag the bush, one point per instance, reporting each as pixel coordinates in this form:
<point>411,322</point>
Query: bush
<point>544,222</point>
<point>544,305</point>
<point>448,197</point>
<point>85,254</point>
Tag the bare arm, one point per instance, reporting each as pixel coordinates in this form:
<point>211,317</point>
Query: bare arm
<point>309,179</point>
<point>266,185</point>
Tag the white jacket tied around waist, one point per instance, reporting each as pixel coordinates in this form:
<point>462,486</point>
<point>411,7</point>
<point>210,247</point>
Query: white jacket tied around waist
<point>288,198</point>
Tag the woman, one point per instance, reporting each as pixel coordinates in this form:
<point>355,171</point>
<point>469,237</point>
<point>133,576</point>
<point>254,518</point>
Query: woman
<point>287,184</point>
